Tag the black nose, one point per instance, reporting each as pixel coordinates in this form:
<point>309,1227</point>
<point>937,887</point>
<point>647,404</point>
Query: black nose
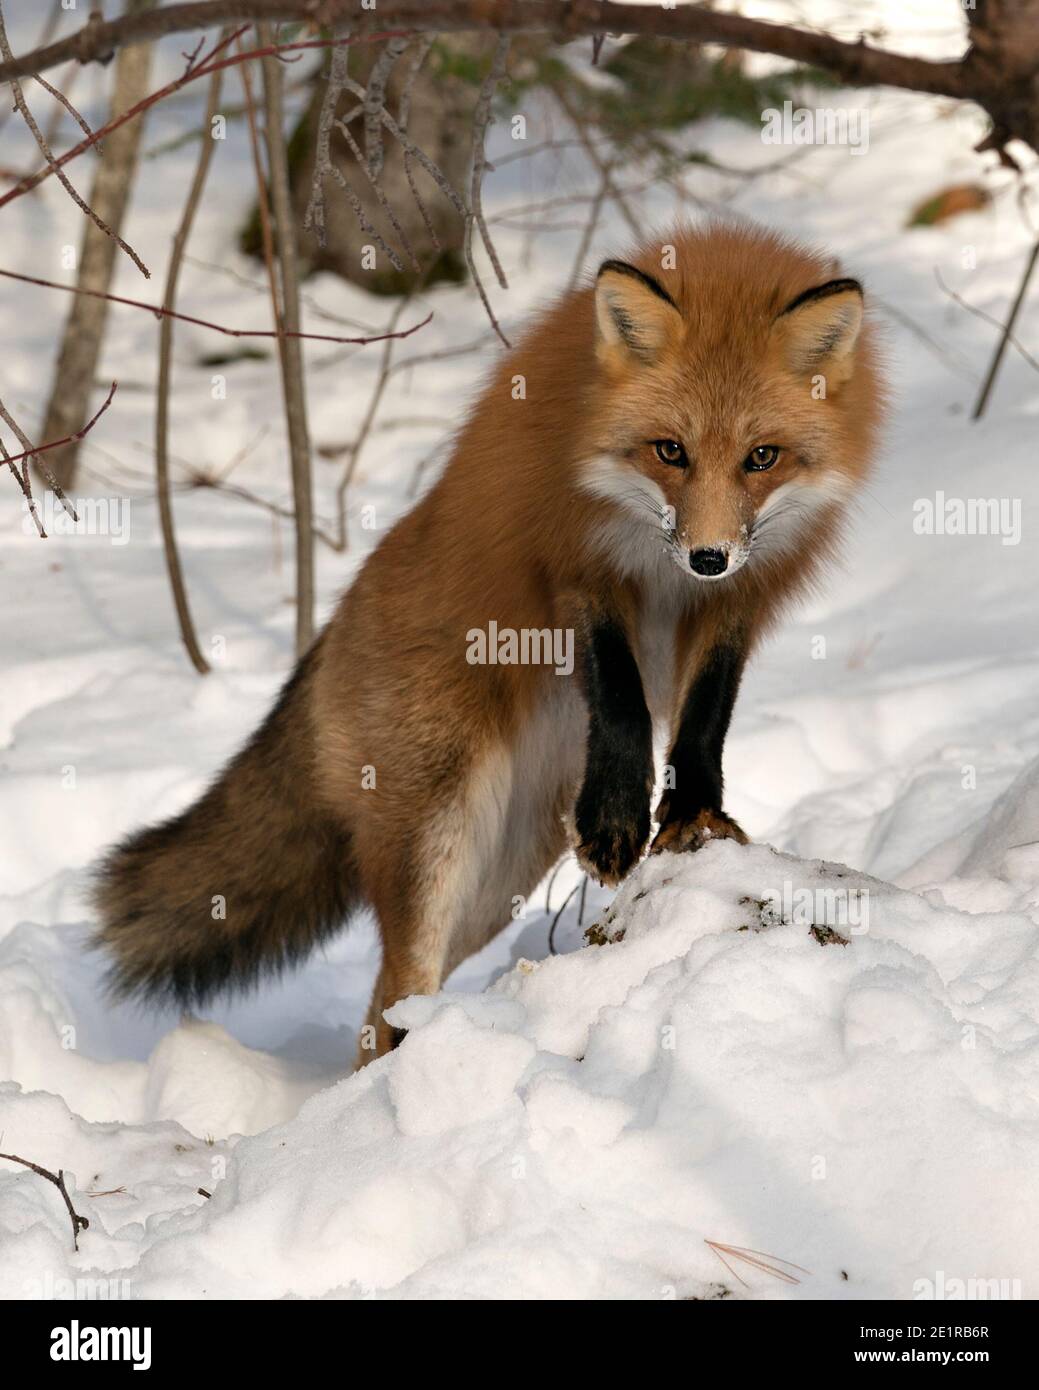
<point>708,562</point>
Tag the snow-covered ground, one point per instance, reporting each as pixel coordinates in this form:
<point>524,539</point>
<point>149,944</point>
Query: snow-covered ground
<point>716,1074</point>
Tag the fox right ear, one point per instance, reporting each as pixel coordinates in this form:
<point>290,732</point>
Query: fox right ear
<point>819,329</point>
<point>636,315</point>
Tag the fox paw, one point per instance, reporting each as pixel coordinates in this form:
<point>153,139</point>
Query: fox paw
<point>685,836</point>
<point>610,850</point>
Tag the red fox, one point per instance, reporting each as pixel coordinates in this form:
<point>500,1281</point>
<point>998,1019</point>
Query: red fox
<point>661,463</point>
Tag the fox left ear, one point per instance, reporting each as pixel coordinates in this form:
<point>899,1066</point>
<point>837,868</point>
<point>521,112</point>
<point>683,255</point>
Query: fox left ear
<point>819,329</point>
<point>636,315</point>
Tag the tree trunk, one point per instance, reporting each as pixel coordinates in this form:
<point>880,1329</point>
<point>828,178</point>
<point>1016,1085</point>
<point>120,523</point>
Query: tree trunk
<point>77,361</point>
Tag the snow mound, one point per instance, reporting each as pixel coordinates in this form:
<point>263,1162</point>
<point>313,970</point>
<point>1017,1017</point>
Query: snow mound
<point>762,1053</point>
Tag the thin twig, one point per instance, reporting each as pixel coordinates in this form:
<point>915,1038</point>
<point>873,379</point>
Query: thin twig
<point>375,100</point>
<point>47,32</point>
<point>366,425</point>
<point>25,483</point>
<point>316,308</point>
<point>358,211</point>
<point>380,196</point>
<point>53,164</point>
<point>986,317</point>
<point>408,145</point>
<point>32,451</point>
<point>79,1223</point>
<point>314,218</point>
<point>403,116</point>
<point>555,921</point>
<point>552,883</point>
<point>162,476</point>
<point>482,119</point>
<point>160,312</point>
<point>604,168</point>
<point>23,478</point>
<point>590,226</point>
<point>203,68</point>
<point>64,101</point>
<point>290,351</point>
<point>1008,329</point>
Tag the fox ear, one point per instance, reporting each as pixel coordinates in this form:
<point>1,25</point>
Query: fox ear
<point>818,330</point>
<point>636,315</point>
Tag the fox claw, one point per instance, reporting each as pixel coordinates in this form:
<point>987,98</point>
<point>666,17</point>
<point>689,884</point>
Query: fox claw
<point>682,836</point>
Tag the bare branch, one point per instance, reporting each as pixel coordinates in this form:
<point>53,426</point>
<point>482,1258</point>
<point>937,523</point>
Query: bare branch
<point>314,219</point>
<point>45,150</point>
<point>1006,335</point>
<point>381,198</point>
<point>63,100</point>
<point>25,483</point>
<point>160,312</point>
<point>605,170</point>
<point>23,478</point>
<point>1005,329</point>
<point>375,100</point>
<point>32,451</point>
<point>433,170</point>
<point>359,213</point>
<point>289,349</point>
<point>605,187</point>
<point>475,218</point>
<point>366,426</point>
<point>79,1223</point>
<point>481,120</point>
<point>174,569</point>
<point>857,63</point>
<point>203,68</point>
<point>403,116</point>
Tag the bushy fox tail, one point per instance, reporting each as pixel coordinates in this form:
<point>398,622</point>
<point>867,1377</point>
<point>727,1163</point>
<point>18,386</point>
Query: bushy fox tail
<point>244,882</point>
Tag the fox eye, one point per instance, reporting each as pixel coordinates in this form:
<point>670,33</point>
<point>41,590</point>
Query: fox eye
<point>670,451</point>
<point>764,456</point>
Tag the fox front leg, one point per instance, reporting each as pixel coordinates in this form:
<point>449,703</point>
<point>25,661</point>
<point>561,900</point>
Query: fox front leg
<point>690,811</point>
<point>612,812</point>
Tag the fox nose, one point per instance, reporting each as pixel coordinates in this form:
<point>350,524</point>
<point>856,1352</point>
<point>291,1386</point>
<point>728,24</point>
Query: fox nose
<point>709,563</point>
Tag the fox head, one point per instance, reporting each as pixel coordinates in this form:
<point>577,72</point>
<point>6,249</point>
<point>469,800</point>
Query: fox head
<point>734,407</point>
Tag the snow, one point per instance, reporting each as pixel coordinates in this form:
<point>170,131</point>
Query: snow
<point>580,1125</point>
